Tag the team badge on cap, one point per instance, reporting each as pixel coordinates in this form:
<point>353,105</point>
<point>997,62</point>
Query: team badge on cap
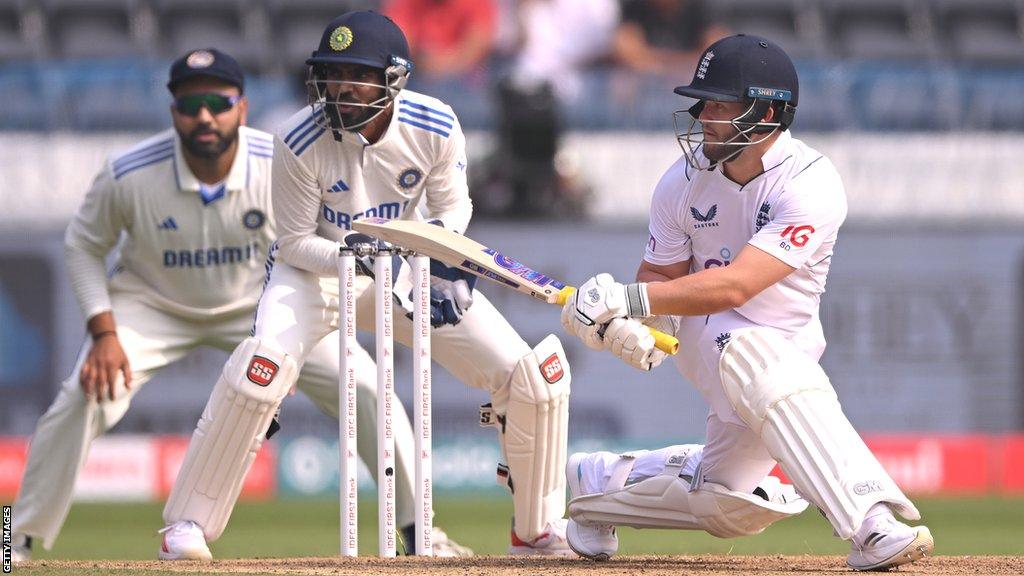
<point>200,59</point>
<point>341,38</point>
<point>409,178</point>
<point>254,219</point>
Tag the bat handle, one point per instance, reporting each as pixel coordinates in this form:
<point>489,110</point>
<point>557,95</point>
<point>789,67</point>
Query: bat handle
<point>667,343</point>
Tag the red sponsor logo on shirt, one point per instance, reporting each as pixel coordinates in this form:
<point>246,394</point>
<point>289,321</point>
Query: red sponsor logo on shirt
<point>551,369</point>
<point>798,235</point>
<point>261,371</point>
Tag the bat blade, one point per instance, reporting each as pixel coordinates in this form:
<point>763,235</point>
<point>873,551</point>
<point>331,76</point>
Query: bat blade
<point>467,254</point>
<point>464,253</point>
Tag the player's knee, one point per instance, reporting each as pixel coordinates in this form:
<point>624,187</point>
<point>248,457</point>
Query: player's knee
<point>760,368</point>
<point>260,371</point>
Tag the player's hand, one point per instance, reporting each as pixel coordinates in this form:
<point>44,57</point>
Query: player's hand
<point>590,334</point>
<point>601,299</point>
<point>451,293</point>
<point>99,372</point>
<point>632,341</point>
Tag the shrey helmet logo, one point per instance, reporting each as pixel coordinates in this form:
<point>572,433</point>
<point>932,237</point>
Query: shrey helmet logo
<point>702,70</point>
<point>200,59</point>
<point>341,38</point>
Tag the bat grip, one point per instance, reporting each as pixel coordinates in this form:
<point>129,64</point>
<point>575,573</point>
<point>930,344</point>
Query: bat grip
<point>667,343</point>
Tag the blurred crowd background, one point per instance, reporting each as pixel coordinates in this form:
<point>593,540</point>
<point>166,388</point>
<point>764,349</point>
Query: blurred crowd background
<point>567,107</point>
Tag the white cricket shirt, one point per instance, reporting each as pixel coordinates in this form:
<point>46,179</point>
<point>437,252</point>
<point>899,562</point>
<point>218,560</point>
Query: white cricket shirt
<point>182,252</point>
<point>792,211</point>
<point>322,184</point>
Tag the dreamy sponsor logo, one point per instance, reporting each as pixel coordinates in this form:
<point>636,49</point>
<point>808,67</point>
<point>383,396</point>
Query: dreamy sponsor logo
<point>261,371</point>
<point>551,369</point>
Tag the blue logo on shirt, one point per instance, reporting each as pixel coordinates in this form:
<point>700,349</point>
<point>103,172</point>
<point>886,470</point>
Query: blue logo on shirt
<point>168,224</point>
<point>705,220</point>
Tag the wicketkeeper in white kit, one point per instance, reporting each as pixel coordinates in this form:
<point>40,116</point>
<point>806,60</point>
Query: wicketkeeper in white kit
<point>742,232</point>
<point>193,206</point>
<point>367,147</point>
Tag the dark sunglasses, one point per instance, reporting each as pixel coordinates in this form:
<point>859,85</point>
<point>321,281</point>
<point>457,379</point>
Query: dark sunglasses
<point>191,104</point>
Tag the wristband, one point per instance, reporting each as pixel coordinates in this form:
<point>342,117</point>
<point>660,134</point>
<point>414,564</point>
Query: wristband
<point>96,337</point>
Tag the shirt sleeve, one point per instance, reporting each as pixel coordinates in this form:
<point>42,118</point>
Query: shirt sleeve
<point>295,198</point>
<point>669,243</point>
<point>446,188</point>
<point>809,212</point>
<point>92,234</point>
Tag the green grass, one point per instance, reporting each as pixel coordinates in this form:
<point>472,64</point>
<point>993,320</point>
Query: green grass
<point>967,526</point>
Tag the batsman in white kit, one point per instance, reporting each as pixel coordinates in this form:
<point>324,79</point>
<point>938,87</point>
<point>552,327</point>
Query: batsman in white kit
<point>366,147</point>
<point>742,232</point>
<point>193,206</point>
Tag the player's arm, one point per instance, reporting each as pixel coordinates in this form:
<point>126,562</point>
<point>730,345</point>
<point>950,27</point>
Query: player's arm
<point>650,272</point>
<point>295,197</point>
<point>446,189</point>
<point>90,236</point>
<point>718,289</point>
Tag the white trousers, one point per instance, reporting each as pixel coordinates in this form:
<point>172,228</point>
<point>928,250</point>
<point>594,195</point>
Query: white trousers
<point>152,339</point>
<point>733,456</point>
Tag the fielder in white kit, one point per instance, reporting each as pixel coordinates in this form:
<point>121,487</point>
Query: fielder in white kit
<point>742,232</point>
<point>366,147</point>
<point>193,205</point>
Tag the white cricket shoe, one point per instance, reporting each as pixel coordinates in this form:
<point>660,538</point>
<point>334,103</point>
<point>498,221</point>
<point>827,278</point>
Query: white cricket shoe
<point>884,542</point>
<point>444,547</point>
<point>590,540</point>
<point>551,543</point>
<point>184,540</point>
<point>21,548</point>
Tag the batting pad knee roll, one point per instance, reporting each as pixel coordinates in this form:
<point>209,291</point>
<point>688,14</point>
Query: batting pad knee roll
<point>786,398</point>
<point>229,434</point>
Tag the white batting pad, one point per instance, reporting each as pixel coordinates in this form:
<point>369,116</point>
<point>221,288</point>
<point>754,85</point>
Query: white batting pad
<point>669,501</point>
<point>229,435</point>
<point>535,437</point>
<point>785,397</point>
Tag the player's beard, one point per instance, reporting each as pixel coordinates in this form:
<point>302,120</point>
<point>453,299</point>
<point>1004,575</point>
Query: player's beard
<point>208,150</point>
<point>716,152</point>
<point>356,116</point>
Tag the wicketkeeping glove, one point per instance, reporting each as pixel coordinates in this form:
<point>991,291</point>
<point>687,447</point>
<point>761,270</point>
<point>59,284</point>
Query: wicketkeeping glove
<point>451,291</point>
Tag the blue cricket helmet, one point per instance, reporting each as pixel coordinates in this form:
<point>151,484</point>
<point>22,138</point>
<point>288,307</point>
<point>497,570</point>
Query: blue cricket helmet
<point>363,37</point>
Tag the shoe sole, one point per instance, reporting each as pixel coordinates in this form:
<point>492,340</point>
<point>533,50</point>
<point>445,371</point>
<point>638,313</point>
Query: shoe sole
<point>570,532</point>
<point>921,546</point>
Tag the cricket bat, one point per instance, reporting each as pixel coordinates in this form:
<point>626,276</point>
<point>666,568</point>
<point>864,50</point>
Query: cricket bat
<point>467,254</point>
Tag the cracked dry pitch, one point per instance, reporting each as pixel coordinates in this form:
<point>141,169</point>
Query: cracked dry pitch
<point>703,565</point>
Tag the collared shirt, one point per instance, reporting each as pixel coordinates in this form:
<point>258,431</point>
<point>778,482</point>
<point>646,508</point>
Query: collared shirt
<point>186,251</point>
<point>792,211</point>
<point>417,170</point>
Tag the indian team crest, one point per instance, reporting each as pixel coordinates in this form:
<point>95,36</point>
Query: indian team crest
<point>200,59</point>
<point>409,178</point>
<point>254,219</point>
<point>341,38</point>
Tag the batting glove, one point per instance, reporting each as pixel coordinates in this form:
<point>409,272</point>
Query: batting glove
<point>632,341</point>
<point>601,298</point>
